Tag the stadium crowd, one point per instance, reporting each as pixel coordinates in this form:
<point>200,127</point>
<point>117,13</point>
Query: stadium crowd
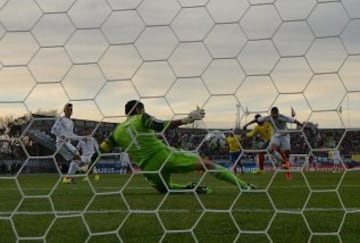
<point>14,142</point>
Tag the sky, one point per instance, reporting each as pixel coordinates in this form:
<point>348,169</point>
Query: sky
<point>235,58</point>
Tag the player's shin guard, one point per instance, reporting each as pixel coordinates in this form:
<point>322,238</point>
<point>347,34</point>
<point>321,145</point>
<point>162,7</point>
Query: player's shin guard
<point>223,174</point>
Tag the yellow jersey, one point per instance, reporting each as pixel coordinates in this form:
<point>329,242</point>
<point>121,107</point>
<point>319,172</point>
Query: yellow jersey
<point>355,157</point>
<point>233,143</point>
<point>265,131</point>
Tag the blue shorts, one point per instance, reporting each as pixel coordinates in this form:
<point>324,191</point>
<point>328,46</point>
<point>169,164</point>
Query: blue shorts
<point>233,156</point>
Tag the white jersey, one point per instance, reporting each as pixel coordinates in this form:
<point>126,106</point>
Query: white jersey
<point>88,146</point>
<point>64,127</point>
<point>279,124</point>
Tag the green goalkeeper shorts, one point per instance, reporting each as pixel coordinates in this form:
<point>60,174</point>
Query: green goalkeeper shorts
<point>176,161</point>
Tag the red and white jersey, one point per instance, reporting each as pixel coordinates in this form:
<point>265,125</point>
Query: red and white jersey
<point>64,127</point>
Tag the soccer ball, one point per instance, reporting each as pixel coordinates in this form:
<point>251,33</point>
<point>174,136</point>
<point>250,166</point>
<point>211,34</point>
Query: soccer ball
<point>215,140</point>
<point>83,168</point>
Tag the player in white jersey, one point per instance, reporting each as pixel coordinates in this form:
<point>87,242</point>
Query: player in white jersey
<point>87,147</point>
<point>280,140</point>
<point>63,129</point>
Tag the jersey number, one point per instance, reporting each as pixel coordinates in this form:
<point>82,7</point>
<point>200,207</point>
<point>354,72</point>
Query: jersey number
<point>131,134</point>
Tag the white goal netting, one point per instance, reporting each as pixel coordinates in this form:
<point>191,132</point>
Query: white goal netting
<point>235,59</point>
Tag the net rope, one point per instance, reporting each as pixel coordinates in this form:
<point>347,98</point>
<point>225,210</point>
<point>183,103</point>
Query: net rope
<point>62,46</point>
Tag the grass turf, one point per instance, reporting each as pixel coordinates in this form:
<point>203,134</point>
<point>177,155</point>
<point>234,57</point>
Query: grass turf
<point>313,207</point>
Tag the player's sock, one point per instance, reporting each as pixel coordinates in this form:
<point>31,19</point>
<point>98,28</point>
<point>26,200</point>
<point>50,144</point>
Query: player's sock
<point>190,185</point>
<point>287,166</point>
<point>199,189</point>
<point>90,164</point>
<point>83,167</point>
<point>203,190</point>
<point>277,156</point>
<point>74,165</point>
<point>241,168</point>
<point>288,176</point>
<point>94,170</point>
<point>261,161</point>
<point>178,188</point>
<point>223,174</point>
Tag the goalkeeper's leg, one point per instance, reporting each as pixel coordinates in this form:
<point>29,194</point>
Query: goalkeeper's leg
<point>166,185</point>
<point>190,162</point>
<point>182,162</point>
<point>222,173</point>
<point>177,162</point>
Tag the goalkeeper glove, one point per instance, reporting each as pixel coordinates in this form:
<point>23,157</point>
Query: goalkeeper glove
<point>194,115</point>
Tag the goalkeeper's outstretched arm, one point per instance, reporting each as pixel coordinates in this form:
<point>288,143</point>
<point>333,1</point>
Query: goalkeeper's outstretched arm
<point>107,144</point>
<point>159,125</point>
<point>104,147</point>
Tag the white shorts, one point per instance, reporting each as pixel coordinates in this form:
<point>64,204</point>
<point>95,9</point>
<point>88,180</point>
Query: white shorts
<point>86,158</point>
<point>283,141</point>
<point>67,150</point>
<point>124,159</point>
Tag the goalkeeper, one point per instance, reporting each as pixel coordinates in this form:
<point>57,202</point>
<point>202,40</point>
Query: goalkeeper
<point>137,135</point>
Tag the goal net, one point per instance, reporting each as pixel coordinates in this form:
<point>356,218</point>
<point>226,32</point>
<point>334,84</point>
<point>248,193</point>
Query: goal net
<point>235,59</point>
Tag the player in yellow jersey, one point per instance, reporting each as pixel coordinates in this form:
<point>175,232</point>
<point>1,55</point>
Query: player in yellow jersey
<point>265,131</point>
<point>234,148</point>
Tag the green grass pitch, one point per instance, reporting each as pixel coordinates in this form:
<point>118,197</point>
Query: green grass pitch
<point>313,207</point>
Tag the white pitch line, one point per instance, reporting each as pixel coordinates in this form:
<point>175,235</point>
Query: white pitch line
<point>255,210</point>
<point>71,187</point>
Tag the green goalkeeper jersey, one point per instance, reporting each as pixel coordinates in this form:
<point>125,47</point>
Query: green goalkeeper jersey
<point>137,135</point>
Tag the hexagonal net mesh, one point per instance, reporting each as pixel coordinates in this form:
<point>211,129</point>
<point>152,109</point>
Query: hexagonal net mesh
<point>233,58</point>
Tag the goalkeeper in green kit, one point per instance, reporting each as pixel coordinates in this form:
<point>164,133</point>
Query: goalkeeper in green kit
<point>137,136</point>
